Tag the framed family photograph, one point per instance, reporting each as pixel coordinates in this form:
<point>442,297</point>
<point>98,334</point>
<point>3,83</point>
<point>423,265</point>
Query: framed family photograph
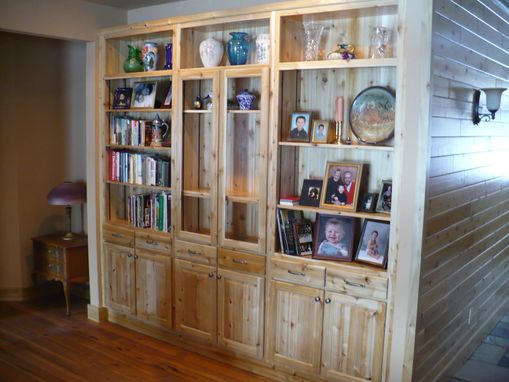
<point>320,132</point>
<point>385,197</point>
<point>299,127</point>
<point>311,191</point>
<point>374,243</point>
<point>368,202</point>
<point>144,94</point>
<point>341,186</point>
<point>122,98</point>
<point>334,237</point>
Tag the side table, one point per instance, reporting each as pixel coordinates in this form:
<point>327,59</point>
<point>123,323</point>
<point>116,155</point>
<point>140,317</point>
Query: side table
<point>61,260</point>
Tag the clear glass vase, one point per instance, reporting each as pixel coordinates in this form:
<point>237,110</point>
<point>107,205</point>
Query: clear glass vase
<point>312,36</point>
<point>380,42</point>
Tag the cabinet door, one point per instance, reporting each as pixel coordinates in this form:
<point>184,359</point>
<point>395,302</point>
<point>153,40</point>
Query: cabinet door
<point>153,287</point>
<point>195,294</point>
<point>353,338</point>
<point>240,317</point>
<point>295,326</point>
<point>119,278</point>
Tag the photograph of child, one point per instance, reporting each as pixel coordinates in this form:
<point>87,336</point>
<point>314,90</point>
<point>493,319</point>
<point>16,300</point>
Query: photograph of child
<point>374,243</point>
<point>385,197</point>
<point>299,128</point>
<point>320,131</point>
<point>334,237</point>
<point>342,185</point>
<point>310,194</point>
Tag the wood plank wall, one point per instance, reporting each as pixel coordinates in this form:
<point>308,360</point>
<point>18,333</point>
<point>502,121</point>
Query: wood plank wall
<point>465,262</point>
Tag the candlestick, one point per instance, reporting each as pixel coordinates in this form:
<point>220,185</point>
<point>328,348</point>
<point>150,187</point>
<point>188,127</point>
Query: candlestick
<point>339,109</point>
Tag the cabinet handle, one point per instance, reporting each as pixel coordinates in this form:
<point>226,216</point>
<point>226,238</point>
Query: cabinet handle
<point>150,242</point>
<point>243,262</point>
<point>211,274</point>
<point>114,234</point>
<point>50,266</point>
<point>318,299</point>
<point>193,253</point>
<point>297,273</point>
<point>50,251</point>
<point>135,256</point>
<point>327,300</point>
<point>355,284</point>
<point>219,277</point>
<point>129,255</point>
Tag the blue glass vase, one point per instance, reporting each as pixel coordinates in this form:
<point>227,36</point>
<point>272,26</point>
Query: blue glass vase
<point>238,48</point>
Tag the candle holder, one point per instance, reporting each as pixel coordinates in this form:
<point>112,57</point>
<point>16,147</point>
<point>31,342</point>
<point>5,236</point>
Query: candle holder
<point>338,132</point>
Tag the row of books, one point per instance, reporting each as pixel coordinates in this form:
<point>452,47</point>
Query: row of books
<point>130,131</point>
<point>295,233</point>
<point>150,211</point>
<point>139,169</point>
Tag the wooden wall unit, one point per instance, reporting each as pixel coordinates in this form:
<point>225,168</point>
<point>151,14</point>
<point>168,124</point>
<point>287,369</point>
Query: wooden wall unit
<point>465,267</point>
<point>217,280</point>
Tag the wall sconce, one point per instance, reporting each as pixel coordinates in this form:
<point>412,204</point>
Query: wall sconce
<point>493,96</point>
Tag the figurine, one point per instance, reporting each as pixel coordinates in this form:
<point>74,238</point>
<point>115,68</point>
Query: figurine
<point>342,52</point>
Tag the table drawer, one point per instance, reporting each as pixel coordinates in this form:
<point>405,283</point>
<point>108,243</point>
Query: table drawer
<point>153,242</point>
<point>300,273</point>
<point>197,253</point>
<point>118,235</point>
<point>48,252</point>
<point>240,261</point>
<point>357,284</point>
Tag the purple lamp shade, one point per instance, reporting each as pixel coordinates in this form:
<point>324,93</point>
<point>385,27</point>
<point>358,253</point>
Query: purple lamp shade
<point>67,194</point>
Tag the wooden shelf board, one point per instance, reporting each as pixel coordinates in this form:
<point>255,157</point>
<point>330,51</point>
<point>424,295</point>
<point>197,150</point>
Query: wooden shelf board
<point>126,76</point>
<point>125,224</point>
<point>363,215</point>
<point>200,193</point>
<point>199,111</point>
<point>155,188</point>
<point>166,150</point>
<point>238,197</point>
<point>339,64</point>
<point>244,111</point>
<point>337,146</point>
<point>138,110</point>
<point>246,67</point>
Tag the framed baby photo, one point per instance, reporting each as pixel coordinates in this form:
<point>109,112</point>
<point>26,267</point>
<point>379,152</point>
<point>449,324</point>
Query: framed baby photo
<point>320,132</point>
<point>341,186</point>
<point>311,191</point>
<point>144,94</point>
<point>368,202</point>
<point>374,243</point>
<point>122,98</point>
<point>385,197</point>
<point>334,237</point>
<point>299,127</point>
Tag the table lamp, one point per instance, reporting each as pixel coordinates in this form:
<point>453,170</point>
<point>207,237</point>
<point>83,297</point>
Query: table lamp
<point>68,194</point>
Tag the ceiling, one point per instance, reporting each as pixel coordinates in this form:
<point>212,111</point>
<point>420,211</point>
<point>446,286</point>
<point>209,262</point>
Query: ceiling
<point>131,4</point>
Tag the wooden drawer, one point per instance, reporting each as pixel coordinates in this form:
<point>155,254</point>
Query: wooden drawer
<point>301,273</point>
<point>355,283</point>
<point>118,235</point>
<point>48,252</point>
<point>197,253</point>
<point>49,261</point>
<point>153,242</point>
<point>240,261</point>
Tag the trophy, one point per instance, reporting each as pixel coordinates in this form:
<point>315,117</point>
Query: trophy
<point>159,131</point>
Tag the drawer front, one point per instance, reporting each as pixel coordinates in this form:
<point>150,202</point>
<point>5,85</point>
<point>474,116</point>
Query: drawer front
<point>300,273</point>
<point>197,253</point>
<point>240,261</point>
<point>153,242</point>
<point>49,260</point>
<point>356,284</point>
<point>118,235</point>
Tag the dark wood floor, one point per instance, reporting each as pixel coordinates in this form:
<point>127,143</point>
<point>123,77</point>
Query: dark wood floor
<point>38,342</point>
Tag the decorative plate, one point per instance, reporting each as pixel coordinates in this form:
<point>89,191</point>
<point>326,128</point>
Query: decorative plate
<point>372,114</point>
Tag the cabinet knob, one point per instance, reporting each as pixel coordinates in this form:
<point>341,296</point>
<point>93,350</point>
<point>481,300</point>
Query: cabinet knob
<point>129,255</point>
<point>211,274</point>
<point>135,256</point>
<point>318,299</point>
<point>219,277</point>
<point>327,300</point>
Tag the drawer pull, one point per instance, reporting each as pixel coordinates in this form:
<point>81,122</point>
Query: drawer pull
<point>150,242</point>
<point>129,255</point>
<point>211,274</point>
<point>243,262</point>
<point>193,253</point>
<point>318,299</point>
<point>327,300</point>
<point>297,273</point>
<point>219,277</point>
<point>136,257</point>
<point>50,266</point>
<point>50,251</point>
<point>117,235</point>
<point>355,284</point>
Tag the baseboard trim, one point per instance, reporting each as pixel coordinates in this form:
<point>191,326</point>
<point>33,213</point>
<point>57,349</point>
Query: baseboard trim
<point>97,313</point>
<point>17,294</point>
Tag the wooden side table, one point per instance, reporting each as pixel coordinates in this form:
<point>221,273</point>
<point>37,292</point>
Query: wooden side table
<point>61,260</point>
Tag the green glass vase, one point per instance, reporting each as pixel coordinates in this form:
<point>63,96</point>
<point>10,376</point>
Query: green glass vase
<point>133,63</point>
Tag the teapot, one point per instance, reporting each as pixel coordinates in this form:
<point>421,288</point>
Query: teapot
<point>158,125</point>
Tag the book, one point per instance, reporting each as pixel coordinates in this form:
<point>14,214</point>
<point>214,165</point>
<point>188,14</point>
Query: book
<point>287,217</point>
<point>303,234</point>
<point>289,200</point>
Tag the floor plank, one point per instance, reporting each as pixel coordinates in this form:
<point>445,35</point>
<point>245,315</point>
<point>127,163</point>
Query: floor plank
<point>38,342</point>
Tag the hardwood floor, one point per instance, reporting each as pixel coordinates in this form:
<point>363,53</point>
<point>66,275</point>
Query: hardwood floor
<point>38,342</point>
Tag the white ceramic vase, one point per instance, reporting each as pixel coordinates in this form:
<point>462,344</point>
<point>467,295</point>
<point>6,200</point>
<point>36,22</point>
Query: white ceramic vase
<point>211,52</point>
<point>262,48</point>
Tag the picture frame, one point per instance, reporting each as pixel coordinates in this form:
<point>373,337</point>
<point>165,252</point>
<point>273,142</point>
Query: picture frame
<point>368,202</point>
<point>320,132</point>
<point>299,127</point>
<point>122,98</point>
<point>341,185</point>
<point>303,234</point>
<point>384,202</point>
<point>311,192</point>
<point>167,99</point>
<point>334,237</point>
<point>144,94</point>
<point>374,243</point>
